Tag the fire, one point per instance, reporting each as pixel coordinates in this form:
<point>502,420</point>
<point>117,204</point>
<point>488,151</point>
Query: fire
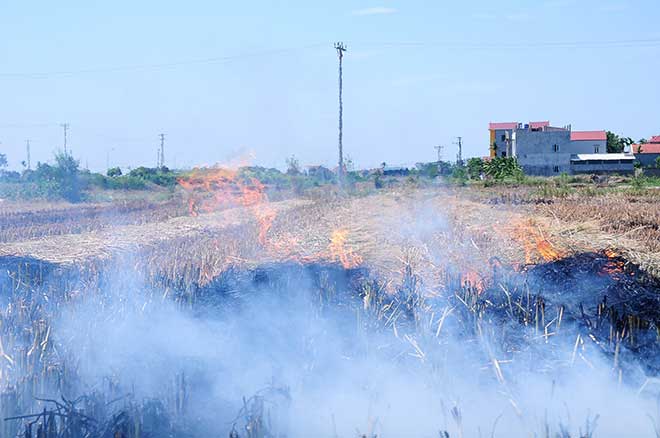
<point>473,279</point>
<point>614,265</point>
<point>339,250</point>
<point>610,253</point>
<point>547,251</point>
<point>212,189</point>
<point>535,244</point>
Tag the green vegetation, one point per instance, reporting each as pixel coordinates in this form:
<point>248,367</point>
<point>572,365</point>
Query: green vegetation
<point>114,172</point>
<point>617,144</point>
<point>64,179</point>
<point>501,168</point>
<point>475,168</point>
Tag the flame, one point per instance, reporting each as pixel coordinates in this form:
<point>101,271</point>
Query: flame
<point>473,279</point>
<point>614,265</point>
<point>610,253</point>
<point>547,251</point>
<point>535,244</point>
<point>340,252</point>
<point>215,188</point>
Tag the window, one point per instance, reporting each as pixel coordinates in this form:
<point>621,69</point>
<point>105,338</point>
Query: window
<point>596,149</point>
<point>504,153</point>
<point>555,147</point>
<point>556,168</point>
<point>503,137</point>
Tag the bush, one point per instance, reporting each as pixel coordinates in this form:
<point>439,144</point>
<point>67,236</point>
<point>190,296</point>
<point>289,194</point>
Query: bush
<point>459,175</point>
<point>378,182</point>
<point>60,180</point>
<point>475,167</point>
<point>161,176</point>
<point>114,172</point>
<point>500,168</point>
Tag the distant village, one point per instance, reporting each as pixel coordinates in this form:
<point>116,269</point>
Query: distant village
<point>546,150</point>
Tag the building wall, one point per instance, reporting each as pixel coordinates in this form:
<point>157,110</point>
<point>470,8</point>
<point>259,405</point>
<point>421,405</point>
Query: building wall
<point>646,160</point>
<point>503,149</point>
<point>536,153</point>
<point>619,168</point>
<point>490,145</point>
<point>590,146</point>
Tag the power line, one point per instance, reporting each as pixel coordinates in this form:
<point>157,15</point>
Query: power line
<point>640,42</point>
<point>159,66</point>
<point>647,42</point>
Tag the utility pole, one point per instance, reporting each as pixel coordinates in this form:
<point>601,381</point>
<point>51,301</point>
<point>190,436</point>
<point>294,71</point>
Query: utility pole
<point>341,48</point>
<point>65,126</point>
<point>27,146</point>
<point>161,155</point>
<point>459,156</point>
<point>439,148</point>
<point>107,158</point>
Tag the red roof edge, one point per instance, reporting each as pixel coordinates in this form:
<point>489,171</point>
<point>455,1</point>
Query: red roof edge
<point>588,135</point>
<point>647,148</point>
<point>536,125</point>
<point>502,125</point>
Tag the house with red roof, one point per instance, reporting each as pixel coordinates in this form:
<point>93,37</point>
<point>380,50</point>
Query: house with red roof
<point>647,153</point>
<point>543,149</point>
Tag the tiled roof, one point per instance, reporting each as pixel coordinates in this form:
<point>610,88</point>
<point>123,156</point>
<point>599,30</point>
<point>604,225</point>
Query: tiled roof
<point>505,125</point>
<point>647,148</point>
<point>588,135</point>
<point>537,125</point>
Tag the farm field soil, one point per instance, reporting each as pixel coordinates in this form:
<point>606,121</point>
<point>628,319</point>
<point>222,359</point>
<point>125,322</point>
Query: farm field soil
<point>436,230</point>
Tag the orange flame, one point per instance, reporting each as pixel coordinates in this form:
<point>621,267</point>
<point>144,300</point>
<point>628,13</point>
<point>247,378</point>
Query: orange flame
<point>216,188</point>
<point>535,244</point>
<point>610,253</point>
<point>614,266</point>
<point>339,251</point>
<point>473,279</point>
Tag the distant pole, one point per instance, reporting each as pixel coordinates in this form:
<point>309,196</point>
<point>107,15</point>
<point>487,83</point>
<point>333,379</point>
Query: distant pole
<point>65,127</point>
<point>27,147</point>
<point>341,48</point>
<point>161,157</point>
<point>439,148</point>
<point>107,158</point>
<point>459,156</point>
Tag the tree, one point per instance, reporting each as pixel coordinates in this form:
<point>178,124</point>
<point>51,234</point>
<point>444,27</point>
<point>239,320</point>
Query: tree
<point>475,167</point>
<point>292,166</point>
<point>114,172</point>
<point>617,144</point>
<point>657,162</point>
<point>500,168</point>
<point>59,180</point>
<point>3,161</point>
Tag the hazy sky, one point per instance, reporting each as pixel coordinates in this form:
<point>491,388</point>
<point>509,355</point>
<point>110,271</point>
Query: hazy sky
<point>223,79</point>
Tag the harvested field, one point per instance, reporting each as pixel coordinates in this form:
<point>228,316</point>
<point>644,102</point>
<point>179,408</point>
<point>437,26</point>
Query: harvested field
<point>408,312</point>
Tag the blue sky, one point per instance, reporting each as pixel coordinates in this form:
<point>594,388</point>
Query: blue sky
<point>227,79</point>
